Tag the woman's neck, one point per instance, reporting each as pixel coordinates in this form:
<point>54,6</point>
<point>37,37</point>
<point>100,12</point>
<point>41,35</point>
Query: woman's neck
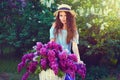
<point>64,26</point>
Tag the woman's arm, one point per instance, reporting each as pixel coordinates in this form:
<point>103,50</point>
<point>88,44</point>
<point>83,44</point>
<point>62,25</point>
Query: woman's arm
<point>53,39</point>
<point>75,50</point>
<point>52,33</point>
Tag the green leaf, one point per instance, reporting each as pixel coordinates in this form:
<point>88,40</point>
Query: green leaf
<point>60,73</point>
<point>38,59</point>
<point>38,70</point>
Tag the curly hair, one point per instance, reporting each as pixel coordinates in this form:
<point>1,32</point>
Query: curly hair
<point>71,26</point>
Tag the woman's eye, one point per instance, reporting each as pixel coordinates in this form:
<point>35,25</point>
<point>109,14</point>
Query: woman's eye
<point>60,15</point>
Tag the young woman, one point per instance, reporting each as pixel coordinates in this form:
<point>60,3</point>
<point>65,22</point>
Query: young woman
<point>63,32</point>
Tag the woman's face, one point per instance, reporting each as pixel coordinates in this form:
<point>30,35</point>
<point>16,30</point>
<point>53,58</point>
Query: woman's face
<point>62,17</point>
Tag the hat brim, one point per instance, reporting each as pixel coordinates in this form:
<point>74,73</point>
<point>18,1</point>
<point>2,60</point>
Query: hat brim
<point>71,11</point>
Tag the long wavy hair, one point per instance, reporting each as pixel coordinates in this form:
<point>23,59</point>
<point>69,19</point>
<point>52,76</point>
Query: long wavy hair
<point>71,26</point>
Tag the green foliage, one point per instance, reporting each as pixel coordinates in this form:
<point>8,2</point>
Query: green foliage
<point>97,73</point>
<point>21,26</point>
<point>118,68</point>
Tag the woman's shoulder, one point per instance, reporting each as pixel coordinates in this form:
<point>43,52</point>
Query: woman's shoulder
<point>53,24</point>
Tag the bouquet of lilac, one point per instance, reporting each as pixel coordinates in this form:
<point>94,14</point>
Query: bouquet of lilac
<point>51,55</point>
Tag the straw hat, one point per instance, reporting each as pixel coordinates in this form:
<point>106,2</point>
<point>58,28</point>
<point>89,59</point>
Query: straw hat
<point>64,7</point>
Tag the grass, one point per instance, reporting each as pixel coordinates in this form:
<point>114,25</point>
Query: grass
<point>109,78</point>
<point>9,67</point>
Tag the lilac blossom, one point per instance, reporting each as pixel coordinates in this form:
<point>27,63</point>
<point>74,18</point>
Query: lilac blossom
<point>52,63</point>
<point>32,66</point>
<point>54,45</point>
<point>25,76</point>
<point>38,46</point>
<point>43,52</point>
<point>20,66</point>
<point>51,56</point>
<point>69,62</point>
<point>81,69</point>
<point>23,3</point>
<point>43,63</point>
<point>73,57</point>
<point>71,68</point>
<point>55,68</point>
<point>27,57</point>
<point>62,65</point>
<point>63,55</point>
<point>12,3</point>
<point>51,59</point>
<point>51,53</point>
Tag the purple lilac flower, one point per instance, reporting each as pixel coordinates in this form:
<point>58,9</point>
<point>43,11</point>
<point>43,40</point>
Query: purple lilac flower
<point>27,57</point>
<point>52,56</point>
<point>59,47</point>
<point>43,63</point>
<point>51,53</point>
<point>25,76</point>
<point>73,67</point>
<point>73,57</point>
<point>23,3</point>
<point>50,46</point>
<point>20,66</point>
<point>12,4</point>
<point>63,55</point>
<point>56,53</point>
<point>81,73</point>
<point>51,59</point>
<point>38,46</point>
<point>43,52</point>
<point>69,62</point>
<point>81,70</point>
<point>30,56</point>
<point>55,68</point>
<point>52,63</point>
<point>32,66</point>
<point>54,45</point>
<point>63,65</point>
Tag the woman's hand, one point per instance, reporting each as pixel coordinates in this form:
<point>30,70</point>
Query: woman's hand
<point>75,50</point>
<point>80,61</point>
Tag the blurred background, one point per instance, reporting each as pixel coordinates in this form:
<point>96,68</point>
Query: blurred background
<point>25,22</point>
